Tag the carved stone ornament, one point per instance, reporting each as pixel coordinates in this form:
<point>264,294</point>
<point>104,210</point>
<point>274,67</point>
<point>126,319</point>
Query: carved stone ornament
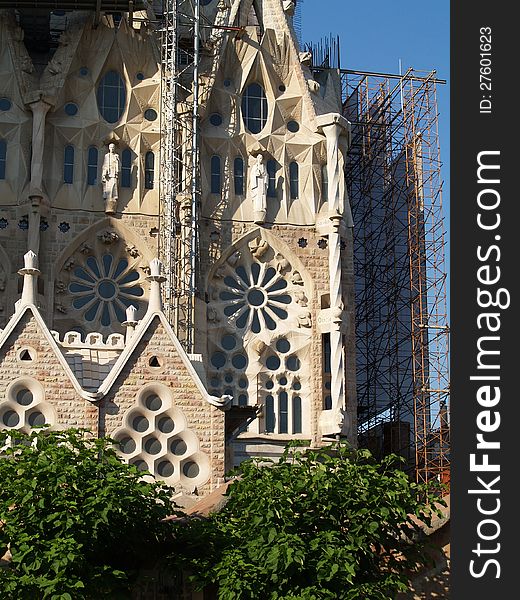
<point>69,264</point>
<point>258,247</point>
<point>213,315</point>
<point>304,319</point>
<point>132,250</point>
<point>233,259</point>
<point>110,179</point>
<point>296,278</point>
<point>108,236</point>
<point>282,264</point>
<point>288,7</point>
<point>259,183</point>
<point>313,86</point>
<point>300,298</point>
<point>61,287</point>
<point>85,248</point>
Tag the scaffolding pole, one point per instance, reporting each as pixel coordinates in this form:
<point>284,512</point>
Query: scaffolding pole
<point>179,162</point>
<point>402,334</point>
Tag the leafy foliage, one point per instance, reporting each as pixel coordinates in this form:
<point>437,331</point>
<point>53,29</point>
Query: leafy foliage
<point>77,520</point>
<point>317,525</point>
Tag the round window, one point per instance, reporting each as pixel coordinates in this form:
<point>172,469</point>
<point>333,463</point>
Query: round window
<point>83,71</point>
<point>127,445</point>
<point>293,126</point>
<point>228,342</point>
<point>36,419</point>
<point>140,465</point>
<point>272,362</point>
<point>165,468</point>
<point>24,397</point>
<point>111,97</point>
<point>191,469</point>
<point>239,361</point>
<point>140,423</point>
<point>166,425</point>
<point>293,363</point>
<point>150,114</point>
<point>71,109</point>
<point>256,297</point>
<point>139,76</point>
<point>283,345</point>
<point>216,119</point>
<point>218,360</point>
<point>153,402</point>
<point>152,445</point>
<point>178,447</point>
<point>10,418</point>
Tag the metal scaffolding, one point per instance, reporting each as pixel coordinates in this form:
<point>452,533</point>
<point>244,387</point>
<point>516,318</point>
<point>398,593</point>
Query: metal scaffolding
<point>402,334</point>
<point>179,163</point>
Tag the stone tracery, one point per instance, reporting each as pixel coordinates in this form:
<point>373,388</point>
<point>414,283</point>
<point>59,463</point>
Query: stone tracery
<point>102,278</point>
<point>259,334</point>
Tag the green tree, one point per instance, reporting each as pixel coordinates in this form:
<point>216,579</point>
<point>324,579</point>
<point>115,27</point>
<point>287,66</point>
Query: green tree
<point>322,524</point>
<point>78,521</point>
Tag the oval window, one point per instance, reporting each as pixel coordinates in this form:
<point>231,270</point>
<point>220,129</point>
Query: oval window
<point>254,108</point>
<point>111,97</point>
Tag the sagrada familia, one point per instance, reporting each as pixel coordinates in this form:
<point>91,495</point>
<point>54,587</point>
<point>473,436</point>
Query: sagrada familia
<point>86,340</point>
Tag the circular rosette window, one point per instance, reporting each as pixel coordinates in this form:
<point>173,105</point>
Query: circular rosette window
<point>255,297</point>
<point>104,287</point>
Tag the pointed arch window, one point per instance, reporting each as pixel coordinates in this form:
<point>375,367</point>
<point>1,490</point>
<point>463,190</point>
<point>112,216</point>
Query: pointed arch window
<point>68,164</point>
<point>3,158</point>
<point>324,183</point>
<point>126,168</point>
<point>149,164</point>
<point>254,108</point>
<point>216,183</point>
<point>294,178</point>
<point>92,166</point>
<point>238,172</point>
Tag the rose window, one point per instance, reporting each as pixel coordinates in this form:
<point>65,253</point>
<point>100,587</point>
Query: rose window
<point>255,297</point>
<point>104,288</point>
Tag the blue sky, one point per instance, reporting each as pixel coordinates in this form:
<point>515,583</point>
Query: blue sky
<point>375,35</point>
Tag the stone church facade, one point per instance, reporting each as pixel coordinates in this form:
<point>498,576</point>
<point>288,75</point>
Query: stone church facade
<point>85,341</point>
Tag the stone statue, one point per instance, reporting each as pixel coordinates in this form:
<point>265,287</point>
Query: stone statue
<point>259,183</point>
<point>110,179</point>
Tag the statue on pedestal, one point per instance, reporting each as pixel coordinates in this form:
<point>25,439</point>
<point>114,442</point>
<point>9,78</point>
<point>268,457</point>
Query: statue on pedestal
<point>259,183</point>
<point>110,179</point>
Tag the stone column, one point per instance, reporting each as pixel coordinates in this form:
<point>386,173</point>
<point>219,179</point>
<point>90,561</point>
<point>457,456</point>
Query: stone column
<point>36,196</point>
<point>333,126</point>
<point>39,110</point>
